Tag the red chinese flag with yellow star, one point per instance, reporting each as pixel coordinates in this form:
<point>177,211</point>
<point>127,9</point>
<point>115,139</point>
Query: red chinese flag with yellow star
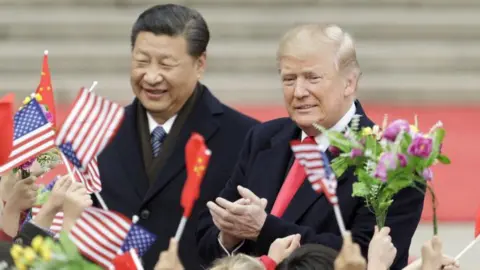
<point>197,156</point>
<point>6,132</point>
<point>45,89</point>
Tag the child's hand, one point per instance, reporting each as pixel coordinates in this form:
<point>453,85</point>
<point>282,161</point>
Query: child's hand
<point>381,251</point>
<point>281,248</point>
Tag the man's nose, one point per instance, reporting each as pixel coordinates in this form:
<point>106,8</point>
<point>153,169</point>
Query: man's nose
<point>153,76</point>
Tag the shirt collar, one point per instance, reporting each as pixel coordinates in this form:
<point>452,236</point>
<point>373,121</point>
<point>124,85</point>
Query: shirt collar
<point>339,126</point>
<point>167,126</point>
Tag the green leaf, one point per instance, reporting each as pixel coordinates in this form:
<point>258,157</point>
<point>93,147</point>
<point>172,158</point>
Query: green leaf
<point>338,140</point>
<point>69,247</point>
<point>339,165</point>
<point>438,137</point>
<point>443,159</point>
<point>360,189</point>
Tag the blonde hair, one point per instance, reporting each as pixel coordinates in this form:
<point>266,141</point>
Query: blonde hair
<point>238,262</point>
<point>345,56</point>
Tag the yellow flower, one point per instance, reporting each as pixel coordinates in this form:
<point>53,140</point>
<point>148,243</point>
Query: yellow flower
<point>37,242</point>
<point>413,129</point>
<point>38,97</point>
<point>29,254</point>
<point>20,265</point>
<point>16,251</point>
<point>46,253</point>
<point>367,131</point>
<point>26,100</point>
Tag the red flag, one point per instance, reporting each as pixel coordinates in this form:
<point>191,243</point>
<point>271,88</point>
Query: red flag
<point>197,156</point>
<point>6,133</point>
<point>128,261</point>
<point>45,89</point>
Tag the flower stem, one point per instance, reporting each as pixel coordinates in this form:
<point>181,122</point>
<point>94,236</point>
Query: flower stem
<point>434,208</point>
<point>380,218</point>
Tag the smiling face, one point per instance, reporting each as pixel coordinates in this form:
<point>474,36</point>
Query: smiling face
<point>314,90</point>
<point>163,74</point>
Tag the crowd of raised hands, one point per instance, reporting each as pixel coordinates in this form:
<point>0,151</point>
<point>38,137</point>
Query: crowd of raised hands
<point>287,253</point>
<point>71,198</point>
<point>19,196</point>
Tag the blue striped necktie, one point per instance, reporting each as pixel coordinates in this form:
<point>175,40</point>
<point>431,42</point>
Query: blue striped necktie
<point>158,136</point>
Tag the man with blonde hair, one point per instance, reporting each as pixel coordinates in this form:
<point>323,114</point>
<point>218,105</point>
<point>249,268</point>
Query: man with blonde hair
<point>267,196</point>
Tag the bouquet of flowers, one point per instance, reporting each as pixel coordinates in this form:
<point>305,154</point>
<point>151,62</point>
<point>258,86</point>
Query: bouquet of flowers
<point>47,159</point>
<point>45,253</point>
<point>387,160</point>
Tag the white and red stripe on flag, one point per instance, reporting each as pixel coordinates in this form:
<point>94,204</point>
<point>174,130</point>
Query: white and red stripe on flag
<point>91,123</point>
<point>99,235</point>
<point>90,178</point>
<point>57,222</point>
<point>314,162</point>
<point>33,135</point>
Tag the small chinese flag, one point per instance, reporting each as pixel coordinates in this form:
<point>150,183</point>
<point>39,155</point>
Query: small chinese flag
<point>6,132</point>
<point>45,89</point>
<point>197,156</point>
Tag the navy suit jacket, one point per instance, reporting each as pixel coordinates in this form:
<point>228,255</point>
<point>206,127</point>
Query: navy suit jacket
<point>126,187</point>
<point>262,168</point>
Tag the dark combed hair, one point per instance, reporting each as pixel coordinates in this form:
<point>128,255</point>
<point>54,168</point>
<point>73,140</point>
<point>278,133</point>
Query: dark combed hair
<point>174,20</point>
<point>310,257</point>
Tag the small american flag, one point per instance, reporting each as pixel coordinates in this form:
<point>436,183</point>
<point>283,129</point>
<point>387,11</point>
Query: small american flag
<point>90,178</point>
<point>89,126</point>
<point>32,135</point>
<point>57,222</point>
<point>139,239</point>
<point>317,168</point>
<point>101,235</point>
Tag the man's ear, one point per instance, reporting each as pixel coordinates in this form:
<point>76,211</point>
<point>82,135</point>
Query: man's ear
<point>351,81</point>
<point>201,64</point>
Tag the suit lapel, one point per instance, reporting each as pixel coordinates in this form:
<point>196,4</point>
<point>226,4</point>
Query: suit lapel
<point>202,120</point>
<point>130,154</point>
<point>273,164</point>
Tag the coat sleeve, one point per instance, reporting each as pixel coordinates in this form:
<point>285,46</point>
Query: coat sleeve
<point>209,247</point>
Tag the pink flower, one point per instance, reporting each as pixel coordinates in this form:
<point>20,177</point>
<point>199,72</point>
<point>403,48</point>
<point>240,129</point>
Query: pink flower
<point>427,174</point>
<point>356,153</point>
<point>27,164</point>
<point>49,116</point>
<point>421,146</point>
<point>334,151</point>
<point>388,162</point>
<point>392,131</point>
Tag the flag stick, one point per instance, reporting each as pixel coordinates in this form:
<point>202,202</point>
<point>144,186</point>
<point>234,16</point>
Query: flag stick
<point>338,215</point>
<point>93,86</point>
<point>181,228</point>
<point>101,201</point>
<point>70,173</point>
<point>97,195</point>
<point>467,248</point>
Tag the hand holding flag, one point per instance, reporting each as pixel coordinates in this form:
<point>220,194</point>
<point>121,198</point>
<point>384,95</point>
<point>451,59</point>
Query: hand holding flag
<point>197,156</point>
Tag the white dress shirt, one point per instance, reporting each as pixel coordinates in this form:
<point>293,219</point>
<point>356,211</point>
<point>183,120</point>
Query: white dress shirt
<point>167,126</point>
<point>322,139</point>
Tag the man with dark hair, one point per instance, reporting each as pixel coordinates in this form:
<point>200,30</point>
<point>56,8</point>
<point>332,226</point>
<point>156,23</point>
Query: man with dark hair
<point>143,168</point>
